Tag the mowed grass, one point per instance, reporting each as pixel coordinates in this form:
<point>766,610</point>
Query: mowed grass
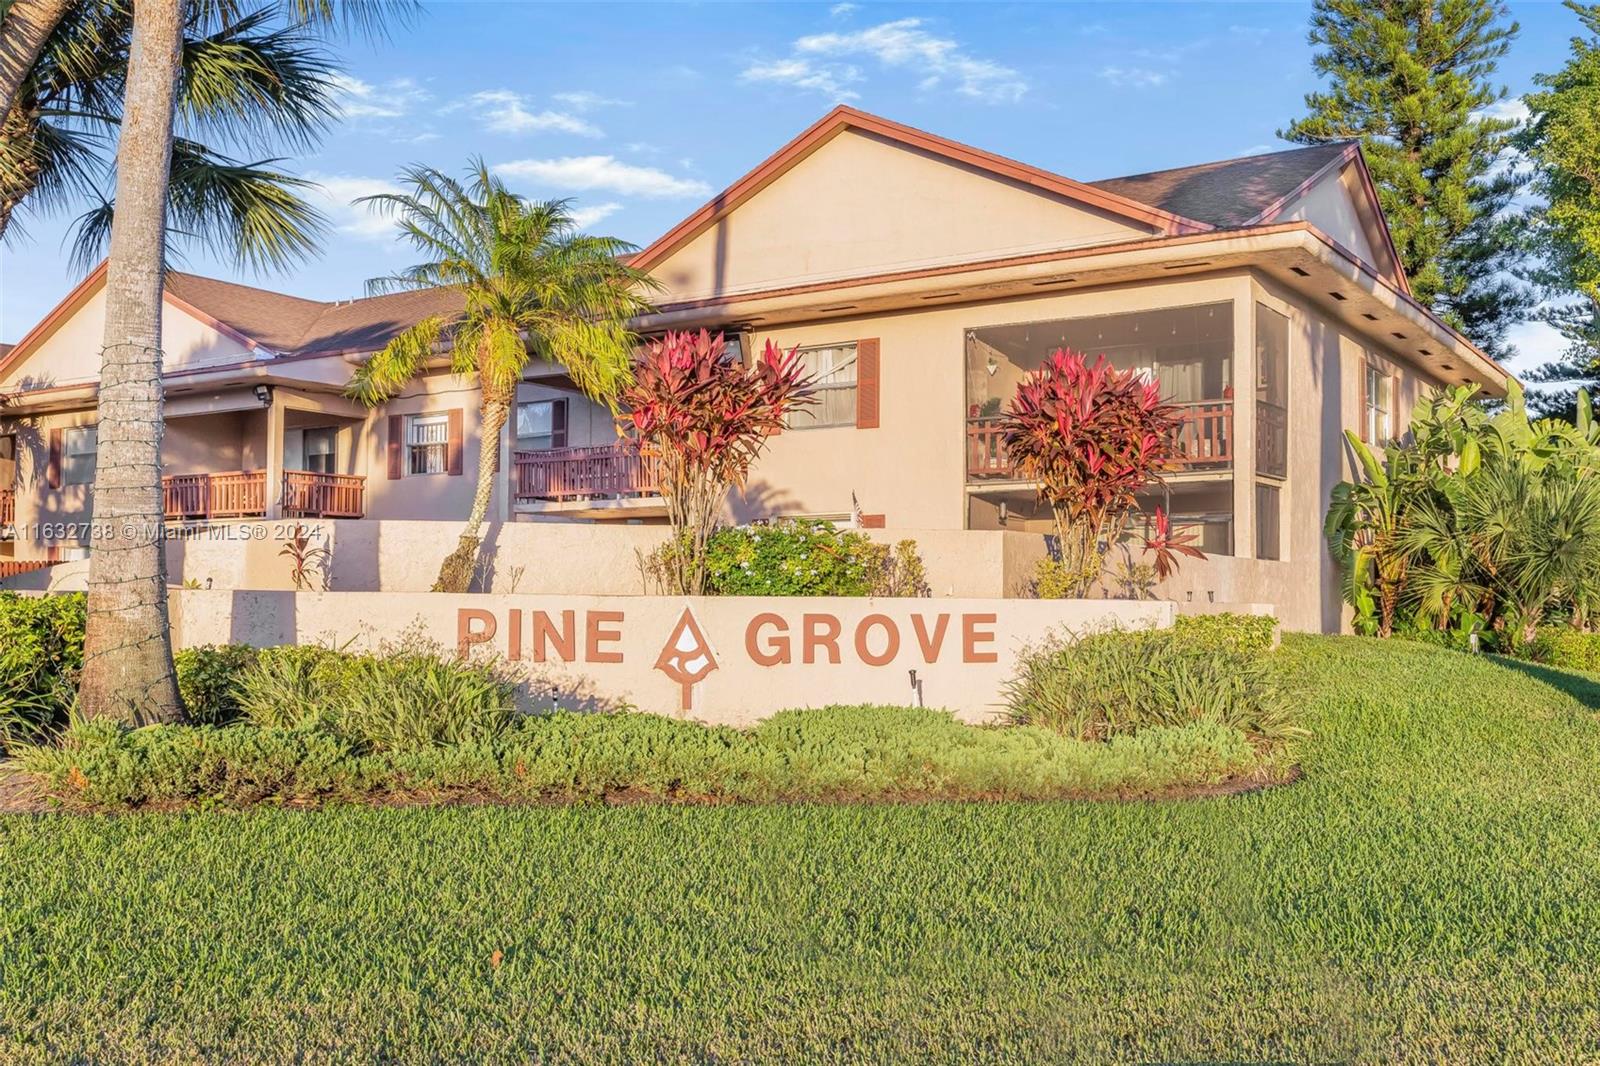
<point>1430,892</point>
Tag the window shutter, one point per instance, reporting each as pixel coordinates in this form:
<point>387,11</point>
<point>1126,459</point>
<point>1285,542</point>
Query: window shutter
<point>1394,405</point>
<point>558,423</point>
<point>872,521</point>
<point>452,447</point>
<point>867,383</point>
<point>397,447</point>
<point>52,472</point>
<point>1361,404</point>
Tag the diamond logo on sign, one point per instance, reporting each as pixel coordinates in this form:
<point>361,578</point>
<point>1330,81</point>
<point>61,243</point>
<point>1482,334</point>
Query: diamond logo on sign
<point>686,656</point>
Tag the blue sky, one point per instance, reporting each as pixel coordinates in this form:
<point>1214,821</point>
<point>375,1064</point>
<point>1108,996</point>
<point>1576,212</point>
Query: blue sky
<point>641,111</point>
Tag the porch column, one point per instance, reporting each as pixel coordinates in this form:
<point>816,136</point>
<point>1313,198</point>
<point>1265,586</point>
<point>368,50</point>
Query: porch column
<point>1245,370</point>
<point>274,457</point>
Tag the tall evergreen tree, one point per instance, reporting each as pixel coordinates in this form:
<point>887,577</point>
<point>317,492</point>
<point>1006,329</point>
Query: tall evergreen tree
<point>1412,81</point>
<point>1562,139</point>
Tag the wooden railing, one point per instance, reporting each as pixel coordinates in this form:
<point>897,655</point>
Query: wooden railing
<point>8,507</point>
<point>1204,439</point>
<point>311,495</point>
<point>615,470</point>
<point>235,494</point>
<point>1272,439</point>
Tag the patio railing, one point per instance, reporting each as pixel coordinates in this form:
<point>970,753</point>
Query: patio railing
<point>312,495</point>
<point>608,471</point>
<point>243,494</point>
<point>1204,440</point>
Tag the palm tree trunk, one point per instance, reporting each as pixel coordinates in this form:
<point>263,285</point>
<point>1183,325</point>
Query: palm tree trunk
<point>455,575</point>
<point>26,27</point>
<point>127,668</point>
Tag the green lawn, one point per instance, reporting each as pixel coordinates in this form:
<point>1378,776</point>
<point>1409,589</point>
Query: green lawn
<point>1429,892</point>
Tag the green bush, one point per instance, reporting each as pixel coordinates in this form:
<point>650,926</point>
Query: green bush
<point>41,653</point>
<point>401,696</point>
<point>790,557</point>
<point>1116,683</point>
<point>1227,631</point>
<point>836,753</point>
<point>208,680</point>
<point>1570,649</point>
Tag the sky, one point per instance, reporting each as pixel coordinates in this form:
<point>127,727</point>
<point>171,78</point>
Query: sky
<point>640,112</point>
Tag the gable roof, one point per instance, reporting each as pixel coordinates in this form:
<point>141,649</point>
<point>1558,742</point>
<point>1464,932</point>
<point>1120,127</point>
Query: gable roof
<point>844,118</point>
<point>1230,193</point>
<point>291,324</point>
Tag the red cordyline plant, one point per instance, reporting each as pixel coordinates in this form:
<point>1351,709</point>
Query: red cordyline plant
<point>1091,436</point>
<point>702,417</point>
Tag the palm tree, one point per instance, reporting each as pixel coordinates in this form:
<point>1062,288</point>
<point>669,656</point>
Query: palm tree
<point>534,288</point>
<point>127,669</point>
<point>127,654</point>
<point>245,80</point>
<point>24,28</point>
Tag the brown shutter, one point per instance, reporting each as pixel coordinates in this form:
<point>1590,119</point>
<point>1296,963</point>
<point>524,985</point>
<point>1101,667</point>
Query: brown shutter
<point>396,447</point>
<point>872,521</point>
<point>452,448</point>
<point>52,472</point>
<point>867,383</point>
<point>1361,402</point>
<point>558,423</point>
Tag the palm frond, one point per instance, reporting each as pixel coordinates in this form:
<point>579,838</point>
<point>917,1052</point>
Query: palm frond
<point>252,82</point>
<point>401,360</point>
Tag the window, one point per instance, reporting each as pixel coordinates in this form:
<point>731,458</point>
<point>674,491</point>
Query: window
<point>320,450</point>
<point>541,425</point>
<point>1377,424</point>
<point>1269,530</point>
<point>427,442</point>
<point>1272,392</point>
<point>78,446</point>
<point>835,372</point>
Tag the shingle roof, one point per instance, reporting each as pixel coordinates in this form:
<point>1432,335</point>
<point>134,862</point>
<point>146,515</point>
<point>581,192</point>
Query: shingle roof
<point>290,324</point>
<point>1229,192</point>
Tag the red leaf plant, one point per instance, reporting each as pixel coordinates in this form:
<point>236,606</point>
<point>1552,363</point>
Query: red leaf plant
<point>701,418</point>
<point>1166,546</point>
<point>1092,437</point>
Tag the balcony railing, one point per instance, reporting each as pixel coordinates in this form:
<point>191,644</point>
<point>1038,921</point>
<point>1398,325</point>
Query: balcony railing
<point>607,472</point>
<point>1204,440</point>
<point>243,494</point>
<point>235,494</point>
<point>1272,439</point>
<point>311,495</point>
<point>8,508</point>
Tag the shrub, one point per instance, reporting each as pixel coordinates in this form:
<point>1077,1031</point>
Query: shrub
<point>1116,683</point>
<point>790,557</point>
<point>41,653</point>
<point>401,696</point>
<point>208,680</point>
<point>1570,649</point>
<point>835,753</point>
<point>1228,631</point>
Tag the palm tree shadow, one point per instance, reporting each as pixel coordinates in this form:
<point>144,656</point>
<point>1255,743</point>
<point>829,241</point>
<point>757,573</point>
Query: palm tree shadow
<point>1581,687</point>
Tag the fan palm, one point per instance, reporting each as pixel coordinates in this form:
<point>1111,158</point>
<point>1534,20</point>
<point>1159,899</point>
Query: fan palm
<point>246,79</point>
<point>533,288</point>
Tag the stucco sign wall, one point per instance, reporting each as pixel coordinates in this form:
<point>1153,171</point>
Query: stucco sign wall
<point>727,660</point>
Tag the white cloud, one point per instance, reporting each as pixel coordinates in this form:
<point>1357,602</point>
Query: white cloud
<point>334,194</point>
<point>606,172</point>
<point>1134,77</point>
<point>802,74</point>
<point>1513,108</point>
<point>393,99</point>
<point>1256,149</point>
<point>584,217</point>
<point>1251,33</point>
<point>841,10</point>
<point>504,111</point>
<point>817,62</point>
<point>584,100</point>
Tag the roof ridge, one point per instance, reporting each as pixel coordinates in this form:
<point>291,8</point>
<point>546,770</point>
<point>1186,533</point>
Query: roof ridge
<point>1223,162</point>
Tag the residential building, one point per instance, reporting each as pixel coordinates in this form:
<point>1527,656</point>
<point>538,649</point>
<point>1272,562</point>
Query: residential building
<point>921,279</point>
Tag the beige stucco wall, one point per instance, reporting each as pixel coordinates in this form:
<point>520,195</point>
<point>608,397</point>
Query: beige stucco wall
<point>72,353</point>
<point>1330,205</point>
<point>889,207</point>
<point>962,651</point>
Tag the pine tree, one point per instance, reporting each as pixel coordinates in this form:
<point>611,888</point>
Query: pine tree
<point>1412,81</point>
<point>1562,139</point>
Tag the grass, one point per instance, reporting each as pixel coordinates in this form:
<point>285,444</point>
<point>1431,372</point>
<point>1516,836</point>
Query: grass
<point>1428,893</point>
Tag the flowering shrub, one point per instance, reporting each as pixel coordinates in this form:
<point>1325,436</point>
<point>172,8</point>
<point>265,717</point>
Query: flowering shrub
<point>1092,437</point>
<point>799,557</point>
<point>703,417</point>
